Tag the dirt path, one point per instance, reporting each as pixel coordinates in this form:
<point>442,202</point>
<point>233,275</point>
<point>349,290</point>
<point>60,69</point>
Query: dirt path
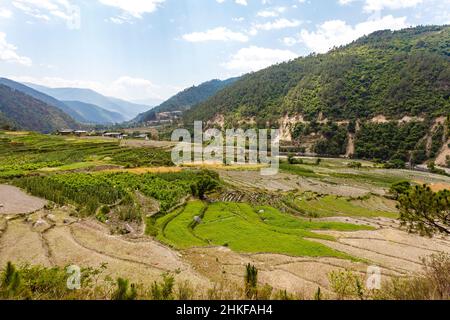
<point>15,201</point>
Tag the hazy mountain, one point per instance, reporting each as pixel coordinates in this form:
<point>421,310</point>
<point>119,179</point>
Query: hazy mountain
<point>28,113</point>
<point>6,123</point>
<point>37,95</point>
<point>187,98</point>
<point>127,109</point>
<point>81,112</point>
<point>89,113</point>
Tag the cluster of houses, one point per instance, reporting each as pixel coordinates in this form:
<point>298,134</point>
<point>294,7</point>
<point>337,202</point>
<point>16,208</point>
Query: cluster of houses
<point>106,134</point>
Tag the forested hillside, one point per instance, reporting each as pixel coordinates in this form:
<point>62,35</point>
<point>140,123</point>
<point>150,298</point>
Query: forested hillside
<point>26,112</point>
<point>5,123</point>
<point>391,73</point>
<point>384,96</point>
<point>187,98</point>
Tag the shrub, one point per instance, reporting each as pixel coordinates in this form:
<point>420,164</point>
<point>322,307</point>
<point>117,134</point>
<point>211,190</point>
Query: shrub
<point>251,281</point>
<point>124,291</point>
<point>433,284</point>
<point>346,285</point>
<point>163,290</point>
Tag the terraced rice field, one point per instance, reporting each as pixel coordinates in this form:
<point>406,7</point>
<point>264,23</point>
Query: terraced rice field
<point>247,229</point>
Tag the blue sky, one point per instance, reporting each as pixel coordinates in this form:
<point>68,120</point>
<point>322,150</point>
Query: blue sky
<point>150,49</point>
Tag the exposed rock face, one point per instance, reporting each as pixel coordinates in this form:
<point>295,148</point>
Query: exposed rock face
<point>287,124</point>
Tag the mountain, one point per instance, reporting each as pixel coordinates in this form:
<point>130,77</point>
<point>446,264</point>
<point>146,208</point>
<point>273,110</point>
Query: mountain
<point>386,96</point>
<point>187,98</point>
<point>89,113</point>
<point>81,112</point>
<point>127,109</point>
<point>28,113</point>
<point>37,95</point>
<point>5,123</point>
<point>396,74</point>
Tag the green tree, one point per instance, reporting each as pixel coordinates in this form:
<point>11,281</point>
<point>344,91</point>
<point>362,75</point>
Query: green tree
<point>399,188</point>
<point>425,212</point>
<point>204,184</point>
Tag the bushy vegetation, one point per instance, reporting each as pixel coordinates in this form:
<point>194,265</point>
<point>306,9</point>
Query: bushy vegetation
<point>26,282</point>
<point>90,192</point>
<point>389,141</point>
<point>334,140</point>
<point>432,284</point>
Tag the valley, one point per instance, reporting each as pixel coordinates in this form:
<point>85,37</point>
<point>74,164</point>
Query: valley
<point>97,203</point>
<point>362,190</point>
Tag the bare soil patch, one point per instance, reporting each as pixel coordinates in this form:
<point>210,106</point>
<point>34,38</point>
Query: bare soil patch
<point>15,201</point>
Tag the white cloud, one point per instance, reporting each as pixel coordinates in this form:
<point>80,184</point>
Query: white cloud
<point>8,53</point>
<point>47,9</point>
<point>275,25</point>
<point>345,2</point>
<point>337,32</point>
<point>256,58</point>
<point>135,8</point>
<point>268,13</point>
<point>290,41</point>
<point>135,88</point>
<point>241,2</point>
<point>378,5</point>
<point>5,13</point>
<point>217,34</point>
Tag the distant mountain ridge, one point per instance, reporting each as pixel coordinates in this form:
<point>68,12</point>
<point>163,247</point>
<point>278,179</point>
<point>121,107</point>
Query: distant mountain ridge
<point>187,98</point>
<point>127,109</point>
<point>25,112</point>
<point>89,113</point>
<point>81,112</point>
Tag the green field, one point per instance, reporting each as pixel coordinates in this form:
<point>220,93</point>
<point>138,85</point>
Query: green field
<point>89,191</point>
<point>247,229</point>
<point>30,153</point>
